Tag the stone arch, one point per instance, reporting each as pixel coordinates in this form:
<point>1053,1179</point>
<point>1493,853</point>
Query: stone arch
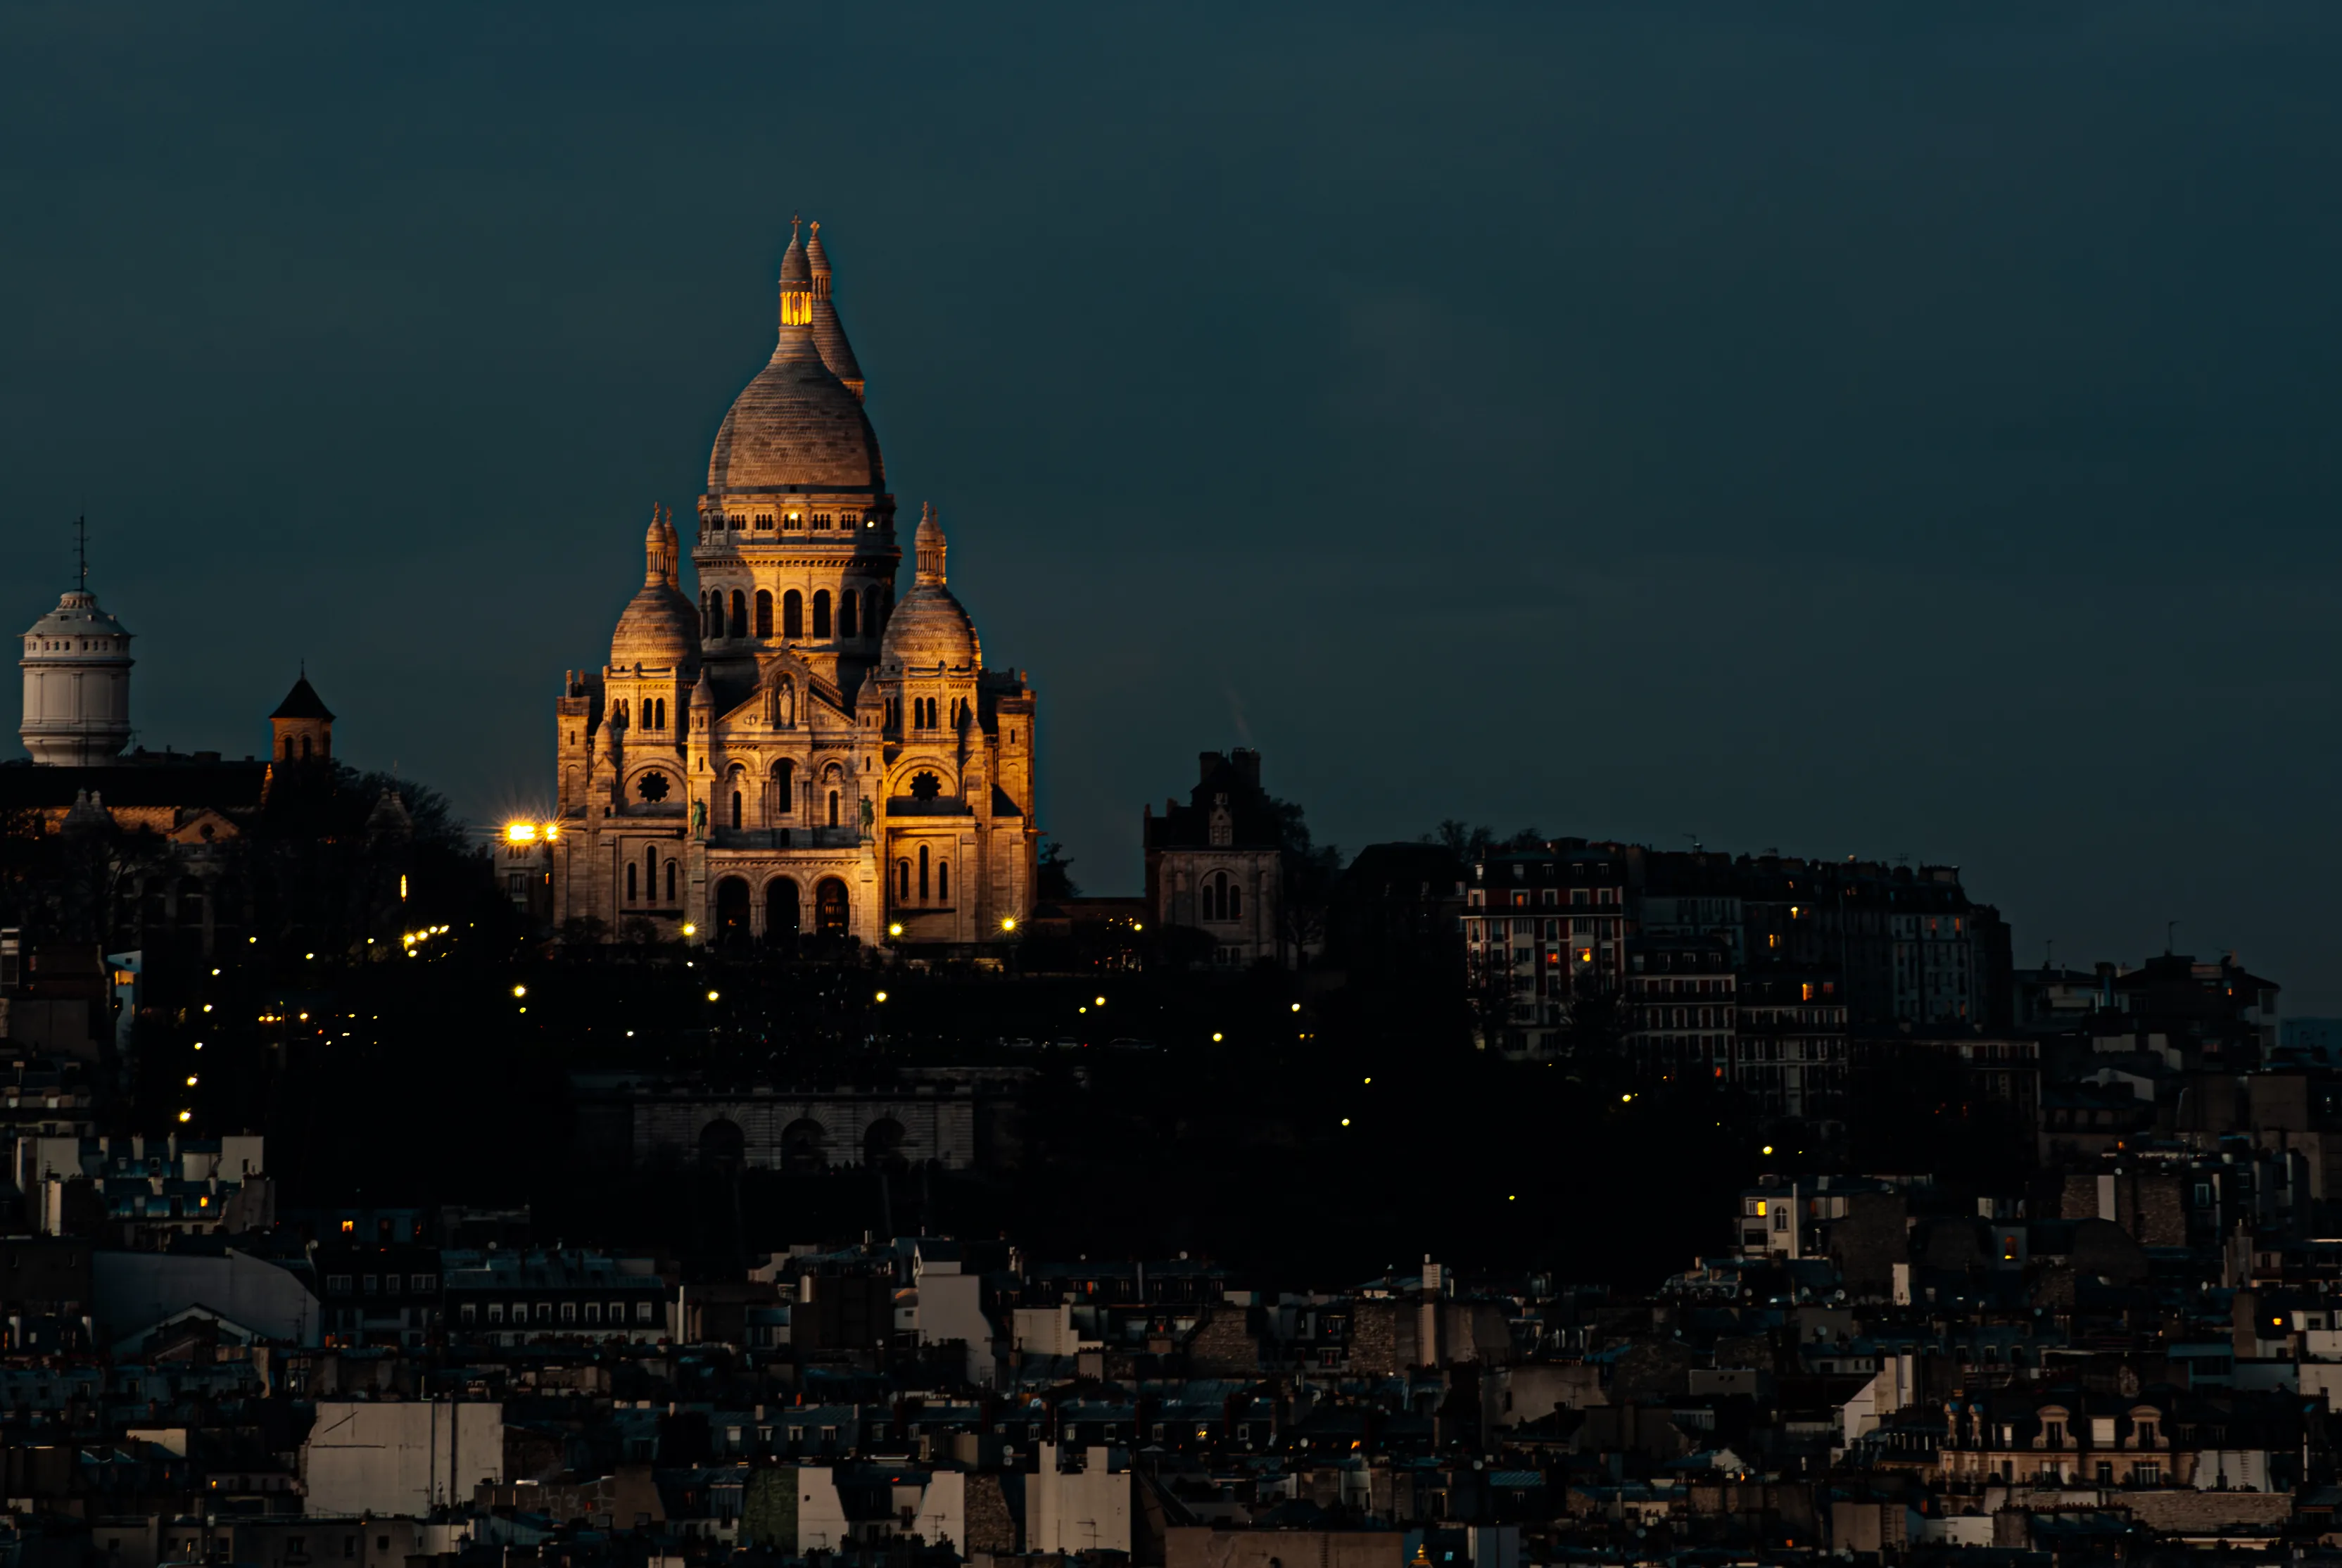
<point>805,1145</point>
<point>783,913</point>
<point>833,908</point>
<point>793,613</point>
<point>764,611</point>
<point>721,1144</point>
<point>732,910</point>
<point>882,1145</point>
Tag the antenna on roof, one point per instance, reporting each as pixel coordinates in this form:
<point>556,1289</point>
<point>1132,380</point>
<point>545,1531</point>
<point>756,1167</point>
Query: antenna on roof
<point>1695,845</point>
<point>81,548</point>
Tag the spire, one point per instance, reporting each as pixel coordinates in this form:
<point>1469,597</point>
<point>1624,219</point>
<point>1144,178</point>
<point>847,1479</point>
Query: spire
<point>658,551</point>
<point>928,543</point>
<point>796,280</point>
<point>828,333</point>
<point>817,259</point>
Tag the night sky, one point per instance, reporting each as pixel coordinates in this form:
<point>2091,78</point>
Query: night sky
<point>1826,427</point>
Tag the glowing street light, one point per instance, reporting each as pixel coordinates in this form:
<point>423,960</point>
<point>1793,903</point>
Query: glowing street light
<point>520,991</point>
<point>711,997</point>
<point>882,996</point>
<point>689,929</point>
<point>894,929</point>
<point>1007,923</point>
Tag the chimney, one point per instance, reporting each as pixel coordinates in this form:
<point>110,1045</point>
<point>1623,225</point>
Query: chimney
<point>1208,761</point>
<point>1247,764</point>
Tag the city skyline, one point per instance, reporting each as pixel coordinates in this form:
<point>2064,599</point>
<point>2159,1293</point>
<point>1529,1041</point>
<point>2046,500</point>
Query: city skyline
<point>1850,520</point>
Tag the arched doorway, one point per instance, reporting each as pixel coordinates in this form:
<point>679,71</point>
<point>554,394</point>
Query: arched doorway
<point>803,1145</point>
<point>882,1145</point>
<point>722,1145</point>
<point>780,909</point>
<point>830,909</point>
<point>732,911</point>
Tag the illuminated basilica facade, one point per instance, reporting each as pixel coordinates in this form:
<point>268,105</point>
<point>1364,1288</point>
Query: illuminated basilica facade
<point>795,750</point>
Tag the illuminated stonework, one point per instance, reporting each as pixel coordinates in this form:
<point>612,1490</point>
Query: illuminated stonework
<point>790,750</point>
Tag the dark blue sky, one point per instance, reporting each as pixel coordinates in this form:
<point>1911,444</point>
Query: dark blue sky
<point>1894,430</point>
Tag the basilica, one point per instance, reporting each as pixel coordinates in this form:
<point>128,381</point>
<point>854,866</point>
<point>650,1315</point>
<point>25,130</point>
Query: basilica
<point>794,749</point>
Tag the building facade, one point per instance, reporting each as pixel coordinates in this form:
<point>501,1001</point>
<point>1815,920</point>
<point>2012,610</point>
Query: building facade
<point>791,749</point>
<point>1216,863</point>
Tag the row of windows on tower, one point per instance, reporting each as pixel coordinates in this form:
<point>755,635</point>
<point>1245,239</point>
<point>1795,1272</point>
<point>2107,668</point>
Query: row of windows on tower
<point>924,712</point>
<point>743,617</point>
<point>649,880</point>
<point>783,522</point>
<point>940,880</point>
<point>654,713</point>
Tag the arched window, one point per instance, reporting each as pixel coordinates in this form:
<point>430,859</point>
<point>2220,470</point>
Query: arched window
<point>764,613</point>
<point>737,809</point>
<point>670,882</point>
<point>922,873</point>
<point>902,882</point>
<point>288,748</point>
<point>632,895</point>
<point>942,882</point>
<point>1235,901</point>
<point>832,808</point>
<point>739,614</point>
<point>821,612</point>
<point>650,869</point>
<point>305,748</point>
<point>870,610</point>
<point>783,787</point>
<point>848,612</point>
<point>793,613</point>
<point>711,614</point>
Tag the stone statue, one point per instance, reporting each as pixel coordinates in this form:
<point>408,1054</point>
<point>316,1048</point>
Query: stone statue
<point>785,704</point>
<point>867,817</point>
<point>699,819</point>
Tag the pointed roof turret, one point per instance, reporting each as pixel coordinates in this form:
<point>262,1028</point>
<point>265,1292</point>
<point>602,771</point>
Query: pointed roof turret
<point>828,331</point>
<point>303,703</point>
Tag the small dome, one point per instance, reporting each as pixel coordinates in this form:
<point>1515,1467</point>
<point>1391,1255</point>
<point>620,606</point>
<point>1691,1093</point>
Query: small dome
<point>930,627</point>
<point>795,427</point>
<point>659,628</point>
<point>77,616</point>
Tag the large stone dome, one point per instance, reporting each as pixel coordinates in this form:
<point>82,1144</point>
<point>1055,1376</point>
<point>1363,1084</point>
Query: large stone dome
<point>659,628</point>
<point>930,626</point>
<point>795,427</point>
